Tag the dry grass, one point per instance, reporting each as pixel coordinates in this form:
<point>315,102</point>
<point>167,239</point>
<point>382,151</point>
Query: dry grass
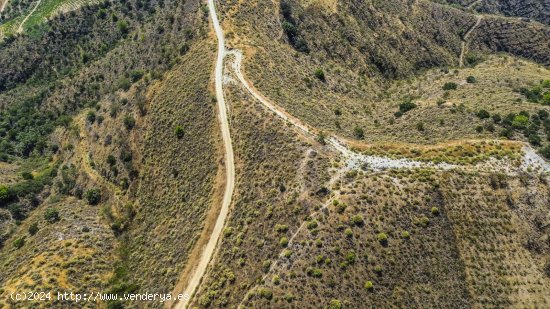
<point>75,253</point>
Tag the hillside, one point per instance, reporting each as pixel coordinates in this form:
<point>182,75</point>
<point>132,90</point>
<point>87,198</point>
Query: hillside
<point>276,154</point>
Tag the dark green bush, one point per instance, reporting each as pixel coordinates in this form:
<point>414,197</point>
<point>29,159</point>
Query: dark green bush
<point>111,160</point>
<point>129,122</point>
<point>51,215</point>
<point>33,228</point>
<point>179,131</point>
<point>483,114</point>
<point>450,86</point>
<point>18,243</point>
<point>358,133</point>
<point>320,74</point>
<point>93,196</point>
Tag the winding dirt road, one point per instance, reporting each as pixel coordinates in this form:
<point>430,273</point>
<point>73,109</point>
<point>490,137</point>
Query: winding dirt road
<point>465,40</point>
<point>210,247</point>
<point>340,145</point>
<point>3,5</point>
<point>20,28</point>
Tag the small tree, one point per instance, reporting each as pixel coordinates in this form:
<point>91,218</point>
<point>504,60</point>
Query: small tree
<point>358,133</point>
<point>348,232</point>
<point>129,122</point>
<point>321,138</point>
<point>520,122</point>
<point>335,304</point>
<point>357,220</point>
<point>483,114</point>
<point>27,176</point>
<point>93,196</point>
<point>382,238</point>
<point>5,195</point>
<point>111,160</point>
<point>123,27</point>
<point>320,74</point>
<point>369,285</point>
<point>90,117</point>
<point>450,86</point>
<point>545,152</point>
<point>179,131</point>
<point>51,215</point>
<point>33,228</point>
<point>18,243</point>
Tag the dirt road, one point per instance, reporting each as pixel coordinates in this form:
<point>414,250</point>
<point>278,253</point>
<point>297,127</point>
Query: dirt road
<point>210,247</point>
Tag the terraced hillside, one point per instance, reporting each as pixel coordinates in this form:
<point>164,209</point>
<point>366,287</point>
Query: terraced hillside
<point>19,16</point>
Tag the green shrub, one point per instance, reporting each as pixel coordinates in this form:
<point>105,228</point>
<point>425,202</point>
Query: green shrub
<point>369,285</point>
<point>335,304</point>
<point>266,265</point>
<point>357,220</point>
<point>321,138</point>
<point>93,196</point>
<point>320,74</point>
<point>123,26</point>
<point>351,257</point>
<point>19,242</point>
<point>382,238</point>
<point>276,280</point>
<point>126,155</point>
<point>289,297</point>
<point>111,160</point>
<point>281,228</point>
<point>129,122</point>
<point>534,139</point>
<point>124,84</point>
<point>136,75</point>
<point>520,122</point>
<point>348,232</point>
<point>90,117</point>
<point>51,215</point>
<point>471,80</point>
<point>5,195</point>
<point>483,114</point>
<point>289,29</point>
<point>314,272</point>
<point>179,131</point>
<point>287,253</point>
<point>435,211</point>
<point>312,224</point>
<point>407,106</point>
<point>450,86</point>
<point>283,241</point>
<point>265,293</point>
<point>33,228</point>
<point>27,176</point>
<point>358,133</point>
<point>545,152</point>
